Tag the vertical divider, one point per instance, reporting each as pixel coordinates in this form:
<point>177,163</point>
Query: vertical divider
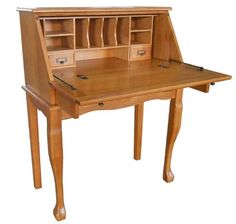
<point>129,30</point>
<point>115,34</point>
<point>151,30</point>
<point>130,26</point>
<point>74,41</point>
<point>43,27</point>
<point>129,37</point>
<point>87,32</point>
<point>98,32</point>
<point>102,27</point>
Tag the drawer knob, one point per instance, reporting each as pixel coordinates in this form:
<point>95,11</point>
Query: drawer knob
<point>100,104</point>
<point>61,61</point>
<point>141,52</point>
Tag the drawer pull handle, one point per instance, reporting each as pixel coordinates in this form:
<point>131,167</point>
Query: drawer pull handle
<point>141,52</point>
<point>61,61</point>
<point>100,104</point>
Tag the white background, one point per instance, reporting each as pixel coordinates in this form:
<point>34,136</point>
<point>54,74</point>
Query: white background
<point>102,183</point>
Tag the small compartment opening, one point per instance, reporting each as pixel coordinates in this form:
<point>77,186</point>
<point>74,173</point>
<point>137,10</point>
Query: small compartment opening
<point>141,38</point>
<point>58,27</point>
<point>81,33</point>
<point>96,32</point>
<point>122,31</point>
<point>141,23</point>
<point>109,31</point>
<point>60,43</point>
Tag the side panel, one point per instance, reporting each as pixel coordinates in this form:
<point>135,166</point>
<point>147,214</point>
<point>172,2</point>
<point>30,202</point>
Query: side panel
<point>175,54</point>
<point>165,44</point>
<point>37,71</point>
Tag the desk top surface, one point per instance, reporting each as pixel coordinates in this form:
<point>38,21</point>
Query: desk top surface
<point>95,80</point>
<point>59,11</point>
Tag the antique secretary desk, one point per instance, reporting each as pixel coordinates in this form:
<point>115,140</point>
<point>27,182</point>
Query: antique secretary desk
<point>78,60</point>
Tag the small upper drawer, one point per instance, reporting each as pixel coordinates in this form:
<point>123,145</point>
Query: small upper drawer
<point>61,59</point>
<point>140,52</point>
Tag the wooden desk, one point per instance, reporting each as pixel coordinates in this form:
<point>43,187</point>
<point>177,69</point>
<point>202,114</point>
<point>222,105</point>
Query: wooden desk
<point>79,60</point>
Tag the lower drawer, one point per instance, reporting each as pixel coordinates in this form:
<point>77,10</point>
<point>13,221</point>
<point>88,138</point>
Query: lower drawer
<point>125,102</point>
<point>57,60</point>
<point>71,106</point>
<point>140,52</point>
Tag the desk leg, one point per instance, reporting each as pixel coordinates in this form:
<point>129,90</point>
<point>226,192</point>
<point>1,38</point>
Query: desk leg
<point>174,124</point>
<point>56,158</point>
<point>34,141</point>
<point>138,126</point>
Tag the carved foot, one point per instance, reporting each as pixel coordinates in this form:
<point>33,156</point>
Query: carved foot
<point>168,176</point>
<point>173,130</point>
<point>59,213</point>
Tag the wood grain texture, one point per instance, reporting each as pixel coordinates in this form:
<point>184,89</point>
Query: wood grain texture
<point>56,27</point>
<point>76,11</point>
<point>123,30</point>
<point>138,129</point>
<point>37,101</point>
<point>37,70</point>
<point>203,88</point>
<point>174,124</point>
<point>141,22</point>
<point>102,41</point>
<point>106,52</point>
<point>165,44</point>
<point>173,46</point>
<point>82,33</point>
<point>61,60</point>
<point>175,53</point>
<point>141,37</point>
<point>109,31</point>
<point>66,103</point>
<point>112,78</point>
<point>56,158</point>
<point>161,37</point>
<point>140,52</point>
<point>95,32</point>
<point>123,102</point>
<point>34,141</point>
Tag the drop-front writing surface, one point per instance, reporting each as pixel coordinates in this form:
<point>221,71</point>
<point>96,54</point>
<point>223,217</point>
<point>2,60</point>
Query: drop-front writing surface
<point>100,79</point>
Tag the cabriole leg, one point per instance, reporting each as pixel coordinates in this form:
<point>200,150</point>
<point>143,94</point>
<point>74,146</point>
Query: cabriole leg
<point>56,158</point>
<point>174,124</point>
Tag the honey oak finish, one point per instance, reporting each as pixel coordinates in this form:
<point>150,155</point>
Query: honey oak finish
<point>78,60</point>
<point>56,157</point>
<point>138,128</point>
<point>34,141</point>
<point>173,130</point>
<point>55,150</point>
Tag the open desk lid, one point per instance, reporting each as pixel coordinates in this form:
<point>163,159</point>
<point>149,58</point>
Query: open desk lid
<point>104,79</point>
